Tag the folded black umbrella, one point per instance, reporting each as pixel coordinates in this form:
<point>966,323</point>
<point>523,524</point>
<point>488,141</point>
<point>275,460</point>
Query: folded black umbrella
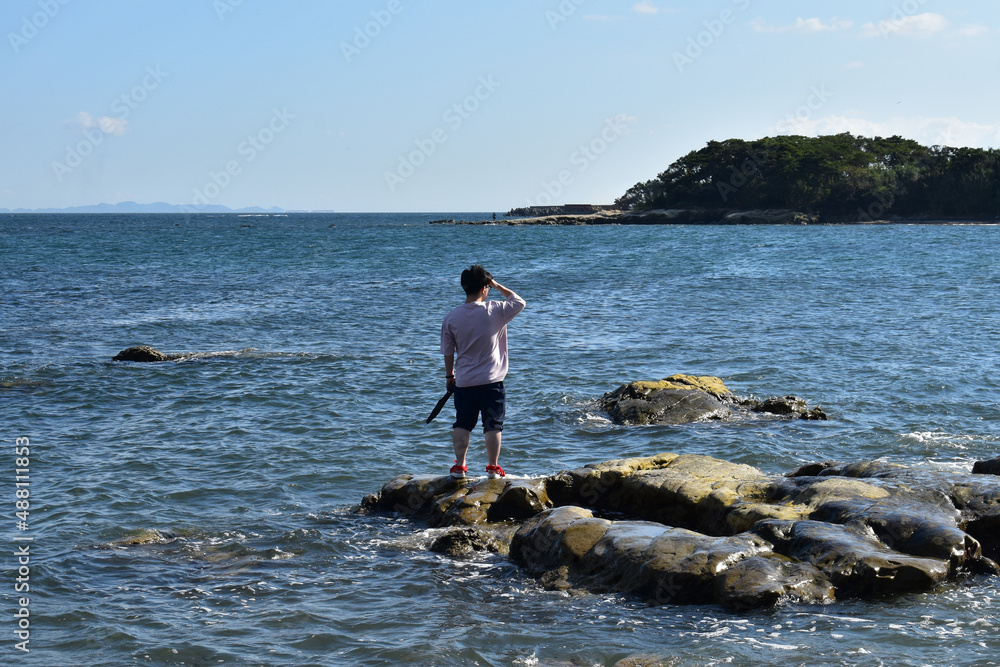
<point>437,408</point>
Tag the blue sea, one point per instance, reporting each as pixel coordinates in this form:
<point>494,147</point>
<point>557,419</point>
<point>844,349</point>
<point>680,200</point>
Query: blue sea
<point>202,512</point>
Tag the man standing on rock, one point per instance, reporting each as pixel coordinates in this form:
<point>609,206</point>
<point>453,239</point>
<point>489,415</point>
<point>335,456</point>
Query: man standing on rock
<point>474,345</point>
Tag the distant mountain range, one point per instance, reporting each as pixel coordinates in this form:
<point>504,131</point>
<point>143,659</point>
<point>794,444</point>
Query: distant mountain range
<point>155,207</point>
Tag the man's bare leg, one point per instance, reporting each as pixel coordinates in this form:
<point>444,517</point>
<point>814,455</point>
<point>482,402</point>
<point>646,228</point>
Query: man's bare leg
<point>492,447</point>
<point>460,440</point>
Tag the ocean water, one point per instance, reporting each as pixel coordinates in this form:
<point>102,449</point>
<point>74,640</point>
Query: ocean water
<point>201,512</point>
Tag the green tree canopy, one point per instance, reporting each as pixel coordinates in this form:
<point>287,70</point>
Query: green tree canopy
<point>833,175</point>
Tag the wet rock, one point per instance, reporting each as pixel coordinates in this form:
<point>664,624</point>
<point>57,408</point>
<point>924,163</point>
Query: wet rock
<point>568,548</point>
<point>645,661</point>
<point>447,501</point>
<point>790,406</point>
<point>687,491</point>
<point>141,537</point>
<point>598,484</point>
<point>519,500</point>
<point>917,530</point>
<point>555,537</point>
<point>985,529</point>
<point>692,491</point>
<point>681,566</point>
<point>668,406</point>
<point>761,581</point>
<point>466,540</point>
<point>856,564</point>
<point>143,353</point>
<point>680,529</point>
<point>816,492</point>
<point>812,469</point>
<point>681,399</point>
<point>411,494</point>
<point>469,505</point>
<point>678,399</point>
<point>990,467</point>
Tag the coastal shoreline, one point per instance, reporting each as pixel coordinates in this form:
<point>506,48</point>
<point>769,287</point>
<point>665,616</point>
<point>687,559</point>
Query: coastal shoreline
<point>709,217</point>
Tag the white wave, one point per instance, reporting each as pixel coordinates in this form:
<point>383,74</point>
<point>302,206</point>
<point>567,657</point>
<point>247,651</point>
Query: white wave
<point>940,437</point>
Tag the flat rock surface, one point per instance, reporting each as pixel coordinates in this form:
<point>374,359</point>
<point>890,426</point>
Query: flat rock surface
<point>682,529</point>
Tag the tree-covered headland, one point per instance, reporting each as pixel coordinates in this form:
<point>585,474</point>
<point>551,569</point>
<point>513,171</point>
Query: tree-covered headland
<point>838,176</point>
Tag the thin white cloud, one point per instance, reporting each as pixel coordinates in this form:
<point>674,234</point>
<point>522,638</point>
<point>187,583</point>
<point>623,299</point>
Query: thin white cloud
<point>928,131</point>
<point>803,26</point>
<point>973,30</point>
<point>854,64</point>
<point>917,25</point>
<point>645,7</point>
<point>106,124</point>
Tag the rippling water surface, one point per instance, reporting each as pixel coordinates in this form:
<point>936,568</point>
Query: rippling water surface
<point>200,512</point>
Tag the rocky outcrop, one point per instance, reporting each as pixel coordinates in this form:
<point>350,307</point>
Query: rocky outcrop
<point>144,353</point>
<point>682,529</point>
<point>559,216</point>
<point>680,399</point>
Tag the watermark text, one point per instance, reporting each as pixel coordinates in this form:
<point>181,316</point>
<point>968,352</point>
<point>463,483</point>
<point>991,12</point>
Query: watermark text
<point>22,542</point>
<point>31,25</point>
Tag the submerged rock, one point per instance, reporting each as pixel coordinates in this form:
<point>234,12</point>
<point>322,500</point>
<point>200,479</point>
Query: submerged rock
<point>680,399</point>
<point>683,529</point>
<point>144,353</point>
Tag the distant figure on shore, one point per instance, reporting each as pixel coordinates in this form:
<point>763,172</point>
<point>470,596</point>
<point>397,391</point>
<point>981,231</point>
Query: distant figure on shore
<point>474,345</point>
<point>494,217</point>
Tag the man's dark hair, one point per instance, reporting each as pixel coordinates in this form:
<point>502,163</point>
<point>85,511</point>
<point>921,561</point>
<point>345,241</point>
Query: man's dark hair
<point>475,278</point>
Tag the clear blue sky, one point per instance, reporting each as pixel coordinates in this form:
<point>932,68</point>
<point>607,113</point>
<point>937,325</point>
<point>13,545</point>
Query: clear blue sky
<point>395,105</point>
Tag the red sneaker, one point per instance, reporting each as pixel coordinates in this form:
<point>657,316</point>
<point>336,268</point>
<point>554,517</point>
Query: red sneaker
<point>492,472</point>
<point>457,471</point>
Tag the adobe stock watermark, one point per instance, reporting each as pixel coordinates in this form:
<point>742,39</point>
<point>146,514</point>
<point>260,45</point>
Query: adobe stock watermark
<point>740,176</point>
<point>248,149</point>
<point>454,117</point>
<point>23,540</point>
<point>581,159</point>
<point>714,29</point>
<point>363,36</point>
<point>900,13</point>
<point>562,12</point>
<point>667,591</point>
<point>223,7</point>
<point>817,99</point>
<point>884,201</point>
<point>31,25</point>
<point>95,129</point>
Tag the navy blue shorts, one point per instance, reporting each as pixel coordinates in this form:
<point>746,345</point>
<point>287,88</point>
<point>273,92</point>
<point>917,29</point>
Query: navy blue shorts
<point>488,399</point>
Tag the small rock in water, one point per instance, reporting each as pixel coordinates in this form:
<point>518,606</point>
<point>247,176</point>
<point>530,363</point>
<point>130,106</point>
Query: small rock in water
<point>990,467</point>
<point>681,399</point>
<point>464,541</point>
<point>140,353</point>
